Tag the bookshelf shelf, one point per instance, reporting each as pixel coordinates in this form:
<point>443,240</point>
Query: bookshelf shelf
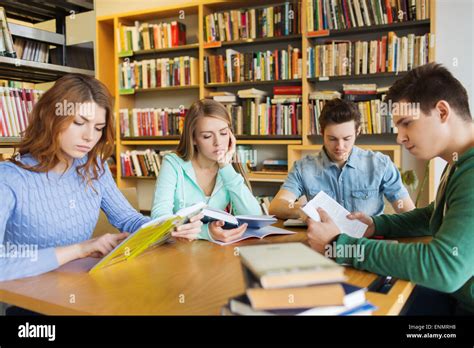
<point>218,44</point>
<point>129,91</point>
<point>182,48</point>
<point>26,70</point>
<point>321,79</point>
<point>9,141</point>
<point>251,83</point>
<point>138,177</point>
<point>245,140</point>
<point>329,34</point>
<point>267,177</point>
<point>149,142</point>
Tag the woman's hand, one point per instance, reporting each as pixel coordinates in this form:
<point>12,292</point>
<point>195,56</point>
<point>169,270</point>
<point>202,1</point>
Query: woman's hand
<point>227,157</point>
<point>101,246</point>
<point>218,233</point>
<point>96,247</point>
<point>190,230</point>
<point>369,232</point>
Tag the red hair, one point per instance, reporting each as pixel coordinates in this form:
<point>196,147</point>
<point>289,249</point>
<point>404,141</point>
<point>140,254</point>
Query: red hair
<point>41,137</point>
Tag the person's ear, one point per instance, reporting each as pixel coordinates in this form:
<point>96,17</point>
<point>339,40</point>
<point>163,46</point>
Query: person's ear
<point>444,110</point>
<point>358,129</point>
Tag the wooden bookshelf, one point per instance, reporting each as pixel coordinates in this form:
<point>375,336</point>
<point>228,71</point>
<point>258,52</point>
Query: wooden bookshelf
<point>294,146</point>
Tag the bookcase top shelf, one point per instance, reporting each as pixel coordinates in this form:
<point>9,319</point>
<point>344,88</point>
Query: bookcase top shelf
<point>9,141</point>
<point>26,70</point>
<point>40,11</point>
<point>218,44</point>
<point>329,34</point>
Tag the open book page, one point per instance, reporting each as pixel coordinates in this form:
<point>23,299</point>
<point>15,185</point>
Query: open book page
<point>337,212</point>
<point>258,233</point>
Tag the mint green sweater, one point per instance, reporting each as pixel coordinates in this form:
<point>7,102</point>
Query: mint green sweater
<point>446,263</point>
<point>177,188</point>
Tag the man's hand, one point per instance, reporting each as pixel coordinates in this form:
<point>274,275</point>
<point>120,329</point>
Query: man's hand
<point>369,232</point>
<point>321,233</point>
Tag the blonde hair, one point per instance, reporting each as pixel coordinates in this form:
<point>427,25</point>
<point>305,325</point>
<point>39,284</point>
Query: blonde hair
<point>205,108</point>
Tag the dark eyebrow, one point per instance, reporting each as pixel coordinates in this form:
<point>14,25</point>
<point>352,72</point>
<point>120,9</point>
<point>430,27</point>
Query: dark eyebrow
<point>400,121</point>
<point>87,120</point>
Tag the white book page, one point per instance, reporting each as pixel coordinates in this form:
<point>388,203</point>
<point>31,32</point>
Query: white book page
<point>337,212</point>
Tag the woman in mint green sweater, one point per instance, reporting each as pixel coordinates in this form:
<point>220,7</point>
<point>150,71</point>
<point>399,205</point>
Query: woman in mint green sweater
<point>204,169</point>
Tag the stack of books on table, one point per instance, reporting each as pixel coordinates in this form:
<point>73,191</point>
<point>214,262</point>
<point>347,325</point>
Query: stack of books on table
<point>292,279</point>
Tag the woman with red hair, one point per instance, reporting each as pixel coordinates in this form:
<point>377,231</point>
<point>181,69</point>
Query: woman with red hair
<point>53,189</point>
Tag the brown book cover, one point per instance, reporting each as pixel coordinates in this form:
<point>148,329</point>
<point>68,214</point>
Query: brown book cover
<point>300,297</point>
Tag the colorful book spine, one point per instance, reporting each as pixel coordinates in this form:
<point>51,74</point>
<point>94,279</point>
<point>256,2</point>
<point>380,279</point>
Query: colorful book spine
<point>15,107</point>
<point>262,22</point>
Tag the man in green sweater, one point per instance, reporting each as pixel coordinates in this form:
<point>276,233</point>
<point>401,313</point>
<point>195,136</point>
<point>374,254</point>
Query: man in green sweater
<point>431,111</point>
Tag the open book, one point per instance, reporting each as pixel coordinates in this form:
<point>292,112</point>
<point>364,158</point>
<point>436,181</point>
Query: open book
<point>337,212</point>
<point>149,235</point>
<point>258,233</point>
<point>231,221</point>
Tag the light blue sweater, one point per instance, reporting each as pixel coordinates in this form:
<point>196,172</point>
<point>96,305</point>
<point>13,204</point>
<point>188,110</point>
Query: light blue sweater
<point>177,188</point>
<point>43,211</point>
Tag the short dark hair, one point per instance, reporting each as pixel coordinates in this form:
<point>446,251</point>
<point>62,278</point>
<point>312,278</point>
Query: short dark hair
<point>336,111</point>
<point>429,84</point>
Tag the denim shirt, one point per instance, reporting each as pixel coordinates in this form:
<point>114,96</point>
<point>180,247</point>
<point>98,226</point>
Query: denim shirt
<point>358,186</point>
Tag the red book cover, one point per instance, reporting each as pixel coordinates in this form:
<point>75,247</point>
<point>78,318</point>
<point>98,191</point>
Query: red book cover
<point>141,127</point>
<point>24,106</point>
<point>16,109</point>
<point>346,14</point>
<point>384,53</point>
<point>5,117</point>
<point>389,11</point>
<point>174,34</point>
<point>278,90</point>
<point>276,64</point>
<point>273,123</point>
<point>158,74</point>
<point>2,129</point>
<point>181,34</point>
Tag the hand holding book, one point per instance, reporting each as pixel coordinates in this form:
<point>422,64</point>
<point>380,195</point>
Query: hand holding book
<point>218,233</point>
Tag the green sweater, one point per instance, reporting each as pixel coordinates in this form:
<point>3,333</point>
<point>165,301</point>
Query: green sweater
<point>446,263</point>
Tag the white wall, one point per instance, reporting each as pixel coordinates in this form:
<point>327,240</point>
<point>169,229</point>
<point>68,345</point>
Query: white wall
<point>454,48</point>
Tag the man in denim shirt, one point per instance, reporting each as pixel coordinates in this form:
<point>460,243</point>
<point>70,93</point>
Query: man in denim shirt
<point>356,178</point>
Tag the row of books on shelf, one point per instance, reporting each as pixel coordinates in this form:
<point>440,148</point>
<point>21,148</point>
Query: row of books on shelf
<point>151,121</point>
<point>161,72</point>
<point>141,163</point>
<point>149,36</point>
<point>346,14</point>
<point>259,114</point>
<point>262,22</point>
<point>293,279</point>
<point>31,50</point>
<point>390,53</point>
<point>369,99</point>
<point>15,106</point>
<point>253,66</point>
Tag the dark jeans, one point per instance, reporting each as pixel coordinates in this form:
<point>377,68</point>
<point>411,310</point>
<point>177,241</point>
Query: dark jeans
<point>424,301</point>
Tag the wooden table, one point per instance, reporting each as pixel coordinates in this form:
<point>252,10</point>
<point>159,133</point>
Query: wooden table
<point>181,278</point>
